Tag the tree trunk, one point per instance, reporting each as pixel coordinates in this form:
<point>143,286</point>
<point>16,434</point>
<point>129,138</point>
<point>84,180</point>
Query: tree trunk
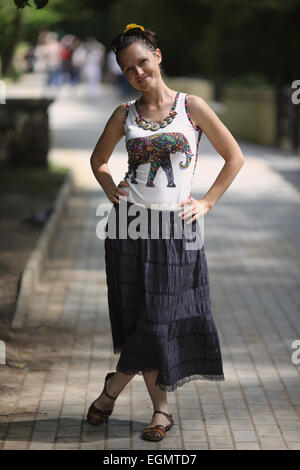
<point>15,37</point>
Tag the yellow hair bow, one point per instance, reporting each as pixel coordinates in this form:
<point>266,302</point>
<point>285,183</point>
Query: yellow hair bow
<point>133,25</point>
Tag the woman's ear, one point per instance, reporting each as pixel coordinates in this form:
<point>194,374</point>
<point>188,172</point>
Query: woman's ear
<point>158,55</point>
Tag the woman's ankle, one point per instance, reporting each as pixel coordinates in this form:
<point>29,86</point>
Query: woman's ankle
<point>164,408</point>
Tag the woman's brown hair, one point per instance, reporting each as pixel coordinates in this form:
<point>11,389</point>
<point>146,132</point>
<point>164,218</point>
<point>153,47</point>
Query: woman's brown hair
<point>123,40</point>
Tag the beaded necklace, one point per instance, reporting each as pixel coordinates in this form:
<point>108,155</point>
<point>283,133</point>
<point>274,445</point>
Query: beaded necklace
<point>154,126</point>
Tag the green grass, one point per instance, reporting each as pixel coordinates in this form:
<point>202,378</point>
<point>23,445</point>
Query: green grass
<point>32,181</point>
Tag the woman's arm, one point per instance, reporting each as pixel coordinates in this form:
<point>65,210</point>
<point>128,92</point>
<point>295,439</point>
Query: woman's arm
<point>223,141</point>
<point>112,134</point>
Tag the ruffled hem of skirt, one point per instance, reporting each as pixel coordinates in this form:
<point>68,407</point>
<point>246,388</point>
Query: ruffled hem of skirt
<point>178,383</point>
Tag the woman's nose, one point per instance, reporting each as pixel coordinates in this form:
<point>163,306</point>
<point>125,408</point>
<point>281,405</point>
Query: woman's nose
<point>139,72</point>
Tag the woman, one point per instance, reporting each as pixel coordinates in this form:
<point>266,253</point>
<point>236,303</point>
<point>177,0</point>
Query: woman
<point>158,290</point>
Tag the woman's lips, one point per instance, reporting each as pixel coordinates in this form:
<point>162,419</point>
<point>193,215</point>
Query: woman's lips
<point>143,79</point>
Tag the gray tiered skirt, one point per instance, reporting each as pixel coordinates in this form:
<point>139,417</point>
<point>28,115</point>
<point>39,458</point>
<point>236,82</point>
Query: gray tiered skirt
<point>159,303</point>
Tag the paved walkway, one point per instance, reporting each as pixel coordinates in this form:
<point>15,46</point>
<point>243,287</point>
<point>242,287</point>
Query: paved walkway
<point>252,244</point>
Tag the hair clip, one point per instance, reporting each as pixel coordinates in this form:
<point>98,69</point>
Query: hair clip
<point>133,25</point>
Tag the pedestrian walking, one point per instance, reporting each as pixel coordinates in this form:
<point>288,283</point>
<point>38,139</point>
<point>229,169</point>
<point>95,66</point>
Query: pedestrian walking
<point>77,61</point>
<point>30,58</point>
<point>93,65</point>
<point>158,289</point>
<point>66,57</point>
<point>54,60</point>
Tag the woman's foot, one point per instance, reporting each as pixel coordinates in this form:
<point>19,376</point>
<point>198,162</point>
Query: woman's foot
<point>105,403</point>
<point>156,430</point>
<point>159,418</point>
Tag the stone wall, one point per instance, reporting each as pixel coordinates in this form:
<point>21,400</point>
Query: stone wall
<point>251,113</point>
<point>24,131</point>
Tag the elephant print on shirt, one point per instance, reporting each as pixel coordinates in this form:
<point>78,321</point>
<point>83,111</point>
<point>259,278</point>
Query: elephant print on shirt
<point>156,149</point>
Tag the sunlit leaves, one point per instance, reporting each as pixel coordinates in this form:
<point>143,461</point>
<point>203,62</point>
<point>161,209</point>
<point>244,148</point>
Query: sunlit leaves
<point>24,3</point>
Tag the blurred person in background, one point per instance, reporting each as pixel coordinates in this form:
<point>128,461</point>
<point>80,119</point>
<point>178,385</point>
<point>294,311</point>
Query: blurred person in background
<point>77,61</point>
<point>116,75</point>
<point>67,42</point>
<point>93,65</point>
<point>53,51</point>
<point>30,58</point>
<point>40,63</point>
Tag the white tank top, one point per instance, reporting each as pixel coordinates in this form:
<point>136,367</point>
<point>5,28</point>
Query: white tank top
<point>162,162</point>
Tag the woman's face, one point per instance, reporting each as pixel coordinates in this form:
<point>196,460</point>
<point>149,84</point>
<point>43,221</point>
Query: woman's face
<point>140,65</point>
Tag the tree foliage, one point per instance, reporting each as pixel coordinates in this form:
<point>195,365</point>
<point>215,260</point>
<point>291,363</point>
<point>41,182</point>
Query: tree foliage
<point>220,39</point>
<point>24,3</point>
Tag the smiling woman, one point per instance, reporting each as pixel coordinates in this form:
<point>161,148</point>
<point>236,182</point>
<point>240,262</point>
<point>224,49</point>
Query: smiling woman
<point>158,288</point>
<point>140,69</point>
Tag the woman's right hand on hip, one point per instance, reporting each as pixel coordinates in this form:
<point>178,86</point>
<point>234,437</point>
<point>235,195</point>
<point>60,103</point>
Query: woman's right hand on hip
<point>117,191</point>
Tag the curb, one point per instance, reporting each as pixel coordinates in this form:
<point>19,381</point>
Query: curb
<point>35,264</point>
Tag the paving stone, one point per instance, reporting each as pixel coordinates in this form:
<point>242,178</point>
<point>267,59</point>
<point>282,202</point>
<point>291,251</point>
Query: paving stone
<point>244,436</point>
<point>265,430</point>
<point>217,429</point>
<point>241,425</point>
<point>194,436</point>
<point>46,425</point>
<point>91,446</point>
<point>40,446</point>
<point>15,444</point>
<point>289,425</point>
<point>291,435</point>
<point>293,445</point>
<point>218,442</point>
<point>272,443</point>
<point>247,446</point>
<point>255,302</point>
<point>195,446</point>
<point>44,437</point>
<point>263,419</point>
<point>68,431</point>
<point>215,419</point>
<point>170,443</point>
<point>118,443</point>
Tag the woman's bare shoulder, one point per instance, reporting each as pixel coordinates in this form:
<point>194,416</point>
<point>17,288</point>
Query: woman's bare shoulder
<point>196,102</point>
<point>216,131</point>
<point>200,111</point>
<point>120,112</point>
<point>117,118</point>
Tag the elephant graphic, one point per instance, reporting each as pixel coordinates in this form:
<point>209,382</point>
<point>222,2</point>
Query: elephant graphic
<point>156,149</point>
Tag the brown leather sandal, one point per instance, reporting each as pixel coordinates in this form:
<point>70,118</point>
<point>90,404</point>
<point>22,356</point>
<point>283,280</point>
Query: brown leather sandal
<point>158,432</point>
<point>94,414</point>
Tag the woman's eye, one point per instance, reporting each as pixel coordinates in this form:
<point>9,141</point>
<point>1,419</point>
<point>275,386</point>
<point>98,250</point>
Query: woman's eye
<point>141,62</point>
